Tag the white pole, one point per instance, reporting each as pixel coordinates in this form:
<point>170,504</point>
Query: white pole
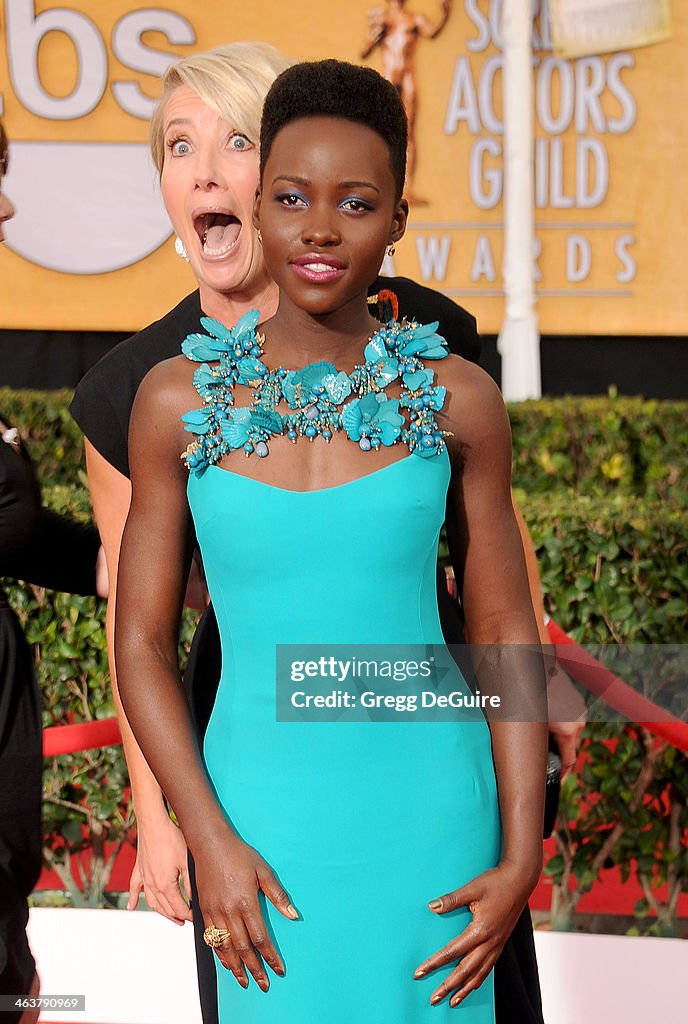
<point>519,341</point>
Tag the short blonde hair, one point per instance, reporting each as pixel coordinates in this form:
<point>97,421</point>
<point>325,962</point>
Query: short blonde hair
<point>233,80</point>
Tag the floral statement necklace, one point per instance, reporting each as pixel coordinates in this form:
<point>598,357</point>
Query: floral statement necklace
<point>315,394</point>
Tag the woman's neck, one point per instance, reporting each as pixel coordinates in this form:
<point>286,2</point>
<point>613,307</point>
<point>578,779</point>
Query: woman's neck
<point>295,338</point>
<point>228,307</point>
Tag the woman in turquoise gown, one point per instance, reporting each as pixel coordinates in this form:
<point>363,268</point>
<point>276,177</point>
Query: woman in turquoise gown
<point>343,866</point>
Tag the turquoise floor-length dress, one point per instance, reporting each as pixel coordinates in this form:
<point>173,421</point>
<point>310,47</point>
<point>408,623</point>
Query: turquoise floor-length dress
<point>363,822</point>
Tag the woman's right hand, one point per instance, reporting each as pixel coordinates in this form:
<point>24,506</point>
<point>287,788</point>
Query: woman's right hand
<point>229,876</point>
<point>161,858</point>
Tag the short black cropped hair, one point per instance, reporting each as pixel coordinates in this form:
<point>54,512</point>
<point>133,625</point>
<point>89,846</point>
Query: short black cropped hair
<point>334,88</point>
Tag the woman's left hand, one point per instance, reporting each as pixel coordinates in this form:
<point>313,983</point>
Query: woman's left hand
<point>495,899</point>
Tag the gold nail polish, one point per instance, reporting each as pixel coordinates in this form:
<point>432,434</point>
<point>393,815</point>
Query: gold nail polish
<point>419,973</point>
<point>435,904</point>
<point>435,999</point>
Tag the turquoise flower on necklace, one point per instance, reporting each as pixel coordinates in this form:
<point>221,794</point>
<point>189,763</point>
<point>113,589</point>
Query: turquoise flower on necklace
<point>245,328</point>
<point>237,341</point>
<point>376,349</point>
<point>372,420</point>
<point>424,340</point>
<point>200,347</point>
<point>208,380</point>
<point>435,397</point>
<point>240,340</point>
<point>427,398</point>
<point>250,370</point>
<point>233,356</point>
<point>198,421</point>
<point>250,429</point>
<point>196,458</point>
<point>381,367</point>
<point>337,386</point>
<point>200,453</point>
<point>417,379</point>
<point>303,387</point>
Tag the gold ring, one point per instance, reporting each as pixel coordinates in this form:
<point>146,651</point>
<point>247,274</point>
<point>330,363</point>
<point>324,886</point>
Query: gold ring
<point>215,937</point>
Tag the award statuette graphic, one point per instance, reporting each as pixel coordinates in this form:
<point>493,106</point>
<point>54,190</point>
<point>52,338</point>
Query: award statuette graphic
<point>396,30</point>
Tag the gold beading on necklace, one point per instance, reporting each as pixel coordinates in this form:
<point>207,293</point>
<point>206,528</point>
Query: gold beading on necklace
<point>316,393</point>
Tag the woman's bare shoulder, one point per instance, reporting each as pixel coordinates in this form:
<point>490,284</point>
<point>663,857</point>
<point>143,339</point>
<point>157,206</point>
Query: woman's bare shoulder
<point>166,393</point>
<point>169,386</point>
<point>473,400</point>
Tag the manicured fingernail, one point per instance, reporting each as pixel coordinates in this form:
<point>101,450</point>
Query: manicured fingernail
<point>293,912</point>
<point>436,999</point>
<point>435,904</point>
<point>455,1000</point>
<point>419,973</point>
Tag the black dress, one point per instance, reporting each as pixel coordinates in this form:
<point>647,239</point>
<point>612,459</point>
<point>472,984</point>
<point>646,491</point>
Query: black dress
<point>44,548</point>
<point>102,407</point>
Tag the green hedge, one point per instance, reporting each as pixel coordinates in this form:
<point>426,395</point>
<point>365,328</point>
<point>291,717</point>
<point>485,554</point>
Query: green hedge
<point>597,480</point>
<point>600,447</point>
<point>55,440</point>
<point>612,569</point>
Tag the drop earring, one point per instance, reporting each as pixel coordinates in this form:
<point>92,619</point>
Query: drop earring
<point>391,249</point>
<point>180,250</point>
<point>260,237</point>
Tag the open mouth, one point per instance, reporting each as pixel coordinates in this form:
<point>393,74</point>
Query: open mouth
<point>218,232</point>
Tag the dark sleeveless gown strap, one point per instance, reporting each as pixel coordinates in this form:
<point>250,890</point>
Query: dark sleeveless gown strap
<point>517,983</point>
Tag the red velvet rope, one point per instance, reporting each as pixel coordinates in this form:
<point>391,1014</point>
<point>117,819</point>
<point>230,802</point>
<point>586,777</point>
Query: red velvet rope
<point>68,739</point>
<point>613,691</point>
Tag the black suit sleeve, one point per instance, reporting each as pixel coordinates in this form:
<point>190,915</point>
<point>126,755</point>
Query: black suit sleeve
<point>61,555</point>
<point>36,544</point>
<point>101,406</point>
<point>104,398</point>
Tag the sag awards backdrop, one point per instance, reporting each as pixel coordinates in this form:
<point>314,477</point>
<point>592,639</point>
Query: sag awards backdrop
<point>91,247</point>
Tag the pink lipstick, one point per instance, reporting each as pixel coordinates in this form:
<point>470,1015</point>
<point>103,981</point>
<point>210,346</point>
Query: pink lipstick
<point>318,267</point>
